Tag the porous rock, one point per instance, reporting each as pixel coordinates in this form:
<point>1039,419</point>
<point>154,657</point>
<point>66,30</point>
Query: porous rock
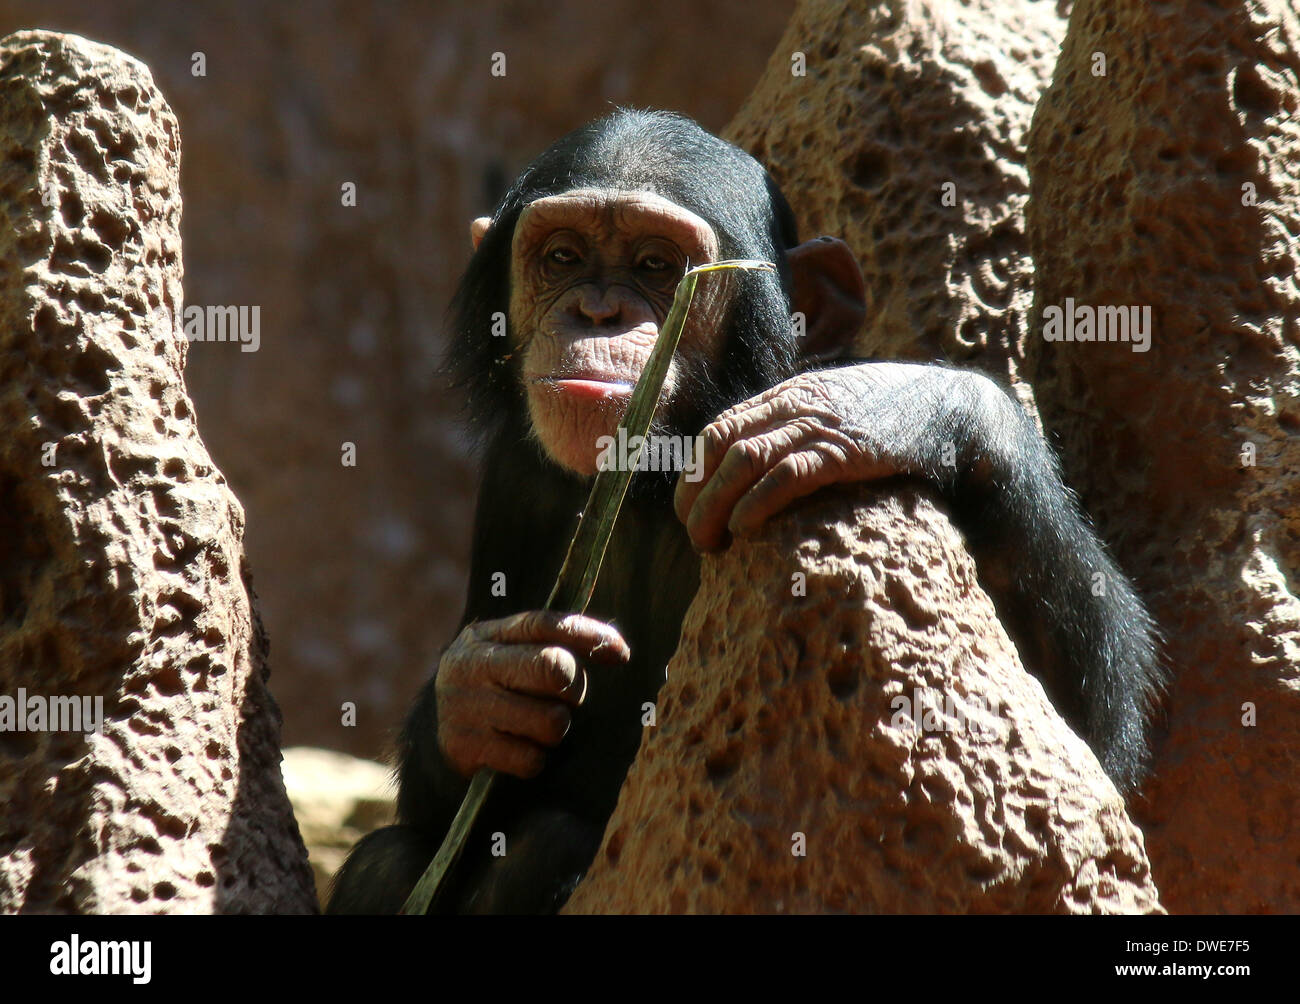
<point>783,727</point>
<point>899,100</point>
<point>1164,163</point>
<point>122,573</point>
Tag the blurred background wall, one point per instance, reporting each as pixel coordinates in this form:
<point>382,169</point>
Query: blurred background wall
<point>361,570</point>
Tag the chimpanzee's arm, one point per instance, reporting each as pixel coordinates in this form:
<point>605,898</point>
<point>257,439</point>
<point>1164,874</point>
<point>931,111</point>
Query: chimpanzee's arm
<point>429,790</point>
<point>1086,632</point>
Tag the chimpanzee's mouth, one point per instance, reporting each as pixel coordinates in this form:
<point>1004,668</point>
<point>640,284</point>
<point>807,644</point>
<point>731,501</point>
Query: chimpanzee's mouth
<point>589,385</point>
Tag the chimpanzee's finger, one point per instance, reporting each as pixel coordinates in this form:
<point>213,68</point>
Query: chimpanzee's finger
<point>469,744</point>
<point>539,670</point>
<point>749,419</point>
<point>713,507</point>
<point>716,440</point>
<point>745,463</point>
<point>509,754</point>
<point>584,636</point>
<point>532,718</point>
<point>797,475</point>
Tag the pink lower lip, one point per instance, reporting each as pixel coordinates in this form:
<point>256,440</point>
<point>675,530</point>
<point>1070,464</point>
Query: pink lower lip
<point>590,388</point>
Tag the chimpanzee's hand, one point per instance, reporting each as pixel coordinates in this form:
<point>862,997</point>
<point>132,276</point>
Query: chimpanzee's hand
<point>855,423</point>
<point>505,688</point>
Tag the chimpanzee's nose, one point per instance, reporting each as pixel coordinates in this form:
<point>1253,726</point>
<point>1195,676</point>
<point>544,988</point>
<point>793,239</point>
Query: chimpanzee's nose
<point>600,304</point>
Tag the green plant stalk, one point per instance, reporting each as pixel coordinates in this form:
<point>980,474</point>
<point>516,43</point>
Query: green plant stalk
<point>577,579</point>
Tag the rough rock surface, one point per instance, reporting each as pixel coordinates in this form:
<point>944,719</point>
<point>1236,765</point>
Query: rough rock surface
<point>122,572</point>
<point>361,570</point>
<point>779,718</point>
<point>902,97</point>
<point>1142,196</point>
<point>337,799</point>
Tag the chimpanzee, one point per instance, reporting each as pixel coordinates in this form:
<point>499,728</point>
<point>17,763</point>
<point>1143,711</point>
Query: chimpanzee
<point>554,319</point>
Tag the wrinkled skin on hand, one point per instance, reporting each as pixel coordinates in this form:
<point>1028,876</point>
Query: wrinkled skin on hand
<point>507,688</point>
<point>856,423</point>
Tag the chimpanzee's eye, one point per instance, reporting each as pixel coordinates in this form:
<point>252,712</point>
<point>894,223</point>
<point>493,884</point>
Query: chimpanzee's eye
<point>563,256</point>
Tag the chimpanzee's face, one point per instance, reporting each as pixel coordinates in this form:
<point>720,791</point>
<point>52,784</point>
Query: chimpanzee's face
<point>592,278</point>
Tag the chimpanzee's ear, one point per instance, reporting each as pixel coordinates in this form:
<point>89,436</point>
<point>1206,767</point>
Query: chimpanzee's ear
<point>477,228</point>
<point>827,287</point>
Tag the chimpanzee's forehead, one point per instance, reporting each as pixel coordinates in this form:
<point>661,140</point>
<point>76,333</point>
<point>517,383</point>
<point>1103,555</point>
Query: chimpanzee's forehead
<point>608,213</point>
